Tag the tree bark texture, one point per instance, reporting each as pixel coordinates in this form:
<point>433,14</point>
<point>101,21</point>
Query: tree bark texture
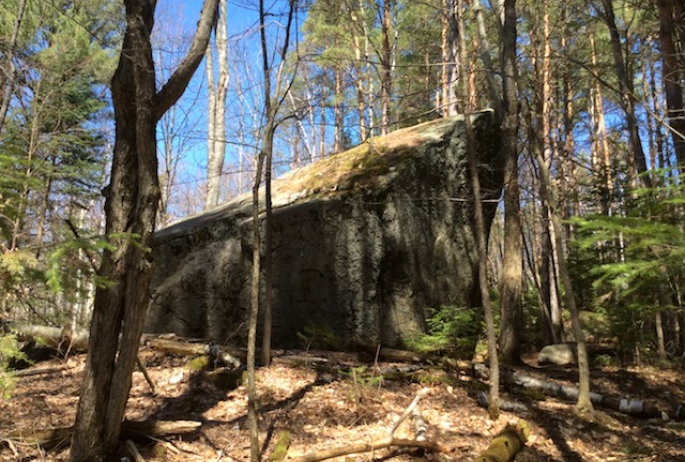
<point>386,67</point>
<point>584,405</point>
<point>601,161</point>
<point>512,268</point>
<point>217,114</point>
<point>627,95</point>
<point>212,181</point>
<point>132,199</point>
<point>452,53</point>
<point>11,73</point>
<point>672,76</point>
<point>480,229</point>
<point>360,66</point>
<point>543,135</point>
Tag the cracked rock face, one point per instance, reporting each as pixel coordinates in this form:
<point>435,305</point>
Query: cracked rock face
<point>366,242</point>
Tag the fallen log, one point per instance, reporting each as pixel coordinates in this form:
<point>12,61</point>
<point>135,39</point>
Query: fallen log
<point>55,337</point>
<point>504,404</point>
<point>368,447</point>
<point>177,347</point>
<point>507,444</point>
<point>225,355</point>
<point>53,437</point>
<point>66,339</point>
<point>633,407</point>
<point>300,360</point>
<point>41,370</point>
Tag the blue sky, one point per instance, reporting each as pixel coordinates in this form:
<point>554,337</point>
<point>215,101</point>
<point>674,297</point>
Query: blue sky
<point>175,25</point>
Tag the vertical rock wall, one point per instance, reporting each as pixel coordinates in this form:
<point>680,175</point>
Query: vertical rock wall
<point>365,243</point>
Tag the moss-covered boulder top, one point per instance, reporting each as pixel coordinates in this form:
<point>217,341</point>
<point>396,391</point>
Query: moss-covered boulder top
<point>370,165</point>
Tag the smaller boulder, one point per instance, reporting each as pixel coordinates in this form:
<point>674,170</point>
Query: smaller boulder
<point>562,354</point>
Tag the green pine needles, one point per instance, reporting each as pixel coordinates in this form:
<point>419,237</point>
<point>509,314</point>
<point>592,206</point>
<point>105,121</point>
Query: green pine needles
<point>451,330</point>
<point>635,260</point>
<point>9,350</point>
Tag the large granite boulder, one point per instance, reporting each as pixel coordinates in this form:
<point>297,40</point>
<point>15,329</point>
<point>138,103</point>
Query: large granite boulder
<point>365,243</point>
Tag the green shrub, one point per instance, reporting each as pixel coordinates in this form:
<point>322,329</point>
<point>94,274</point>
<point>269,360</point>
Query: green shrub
<point>319,337</point>
<point>452,330</point>
<point>9,350</point>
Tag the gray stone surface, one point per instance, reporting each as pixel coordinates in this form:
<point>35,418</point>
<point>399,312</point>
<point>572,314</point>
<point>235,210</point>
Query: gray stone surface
<point>562,354</point>
<point>365,243</point>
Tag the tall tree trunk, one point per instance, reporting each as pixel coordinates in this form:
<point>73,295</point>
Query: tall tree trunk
<point>322,121</point>
<point>43,211</point>
<point>512,268</point>
<point>8,83</point>
<point>300,131</point>
<point>627,94</point>
<point>216,135</point>
<point>131,204</point>
<point>212,181</point>
<point>553,331</point>
<point>661,344</point>
<point>673,79</point>
<point>451,53</point>
<point>544,141</point>
<point>267,146</point>
<point>656,105</point>
<point>484,48</point>
<point>166,179</point>
<point>480,232</point>
<point>600,156</point>
<point>386,67</point>
<point>584,405</point>
<point>338,112</point>
<point>568,164</point>
<point>29,170</point>
<point>367,68</point>
<point>254,314</point>
<point>359,68</point>
<point>650,120</point>
<point>273,103</point>
<point>445,54</point>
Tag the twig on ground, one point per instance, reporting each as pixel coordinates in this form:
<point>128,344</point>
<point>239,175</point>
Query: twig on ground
<point>143,369</point>
<point>367,447</point>
<point>409,410</point>
<point>133,450</point>
<point>380,444</point>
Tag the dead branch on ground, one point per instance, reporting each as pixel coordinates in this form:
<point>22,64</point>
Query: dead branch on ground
<point>52,437</point>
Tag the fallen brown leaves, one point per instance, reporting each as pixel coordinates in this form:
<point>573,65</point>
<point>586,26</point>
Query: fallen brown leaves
<point>323,411</point>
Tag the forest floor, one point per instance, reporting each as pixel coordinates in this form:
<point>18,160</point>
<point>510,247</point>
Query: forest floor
<point>326,410</point>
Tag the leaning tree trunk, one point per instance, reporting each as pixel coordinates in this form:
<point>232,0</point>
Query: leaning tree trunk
<point>131,207</point>
<point>584,405</point>
<point>627,95</point>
